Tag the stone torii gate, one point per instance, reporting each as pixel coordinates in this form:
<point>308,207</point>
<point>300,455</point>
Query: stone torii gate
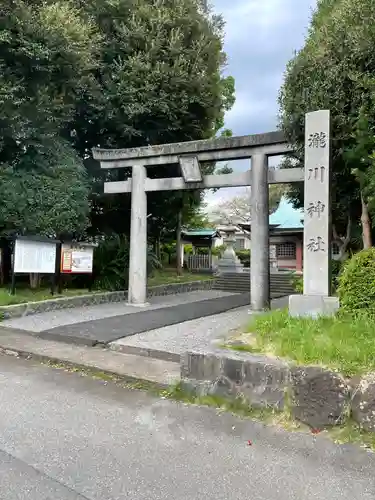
<point>189,155</point>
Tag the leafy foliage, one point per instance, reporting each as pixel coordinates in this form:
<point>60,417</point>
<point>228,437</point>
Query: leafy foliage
<point>44,192</point>
<point>297,282</point>
<point>335,70</point>
<point>244,257</point>
<point>158,81</point>
<point>111,263</point>
<point>357,282</point>
<point>74,75</point>
<point>47,51</point>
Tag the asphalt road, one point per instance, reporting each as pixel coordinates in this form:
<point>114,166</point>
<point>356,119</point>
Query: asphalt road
<point>68,437</point>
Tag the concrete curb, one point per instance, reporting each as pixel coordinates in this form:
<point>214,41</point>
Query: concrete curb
<point>69,364</point>
<point>131,368</point>
<point>316,396</point>
<point>148,353</point>
<point>30,308</point>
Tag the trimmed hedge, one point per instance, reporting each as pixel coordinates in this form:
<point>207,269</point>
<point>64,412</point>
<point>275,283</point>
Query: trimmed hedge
<point>244,257</point>
<point>356,288</point>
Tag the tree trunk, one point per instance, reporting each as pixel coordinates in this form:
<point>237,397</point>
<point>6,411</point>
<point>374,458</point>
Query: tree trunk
<point>178,243</point>
<point>157,248</point>
<point>34,280</point>
<point>342,241</point>
<point>366,225</point>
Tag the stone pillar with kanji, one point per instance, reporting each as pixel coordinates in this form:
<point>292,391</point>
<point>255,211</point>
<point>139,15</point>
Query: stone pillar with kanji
<point>316,299</point>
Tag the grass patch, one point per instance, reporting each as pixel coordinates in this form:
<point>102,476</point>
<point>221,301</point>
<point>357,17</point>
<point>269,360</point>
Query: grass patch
<point>167,276</point>
<point>351,433</point>
<point>345,343</point>
<point>23,295</point>
<point>160,277</point>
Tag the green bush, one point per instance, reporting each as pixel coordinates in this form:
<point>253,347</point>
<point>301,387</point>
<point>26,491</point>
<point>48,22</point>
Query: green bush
<point>201,250</point>
<point>356,288</point>
<point>214,250</point>
<point>168,253</point>
<point>219,250</point>
<point>297,282</point>
<point>111,263</point>
<point>244,257</point>
<point>188,249</point>
<point>336,268</point>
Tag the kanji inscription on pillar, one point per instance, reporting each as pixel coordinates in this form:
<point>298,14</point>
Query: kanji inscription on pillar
<point>317,228</point>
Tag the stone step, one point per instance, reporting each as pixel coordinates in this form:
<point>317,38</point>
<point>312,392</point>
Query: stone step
<point>280,284</point>
<point>247,283</point>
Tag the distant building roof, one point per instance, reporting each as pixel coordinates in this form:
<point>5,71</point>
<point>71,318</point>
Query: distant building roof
<point>201,233</point>
<point>286,216</point>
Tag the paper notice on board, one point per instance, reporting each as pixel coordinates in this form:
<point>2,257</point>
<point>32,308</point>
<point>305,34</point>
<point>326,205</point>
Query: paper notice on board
<point>34,257</point>
<point>77,259</point>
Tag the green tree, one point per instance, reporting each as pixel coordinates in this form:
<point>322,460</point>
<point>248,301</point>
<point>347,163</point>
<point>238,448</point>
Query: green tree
<point>158,81</point>
<point>335,70</point>
<point>45,192</point>
<point>47,54</point>
<point>114,74</point>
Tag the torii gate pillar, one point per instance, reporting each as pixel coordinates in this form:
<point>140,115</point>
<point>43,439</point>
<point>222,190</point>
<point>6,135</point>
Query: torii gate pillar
<point>260,253</point>
<point>137,290</point>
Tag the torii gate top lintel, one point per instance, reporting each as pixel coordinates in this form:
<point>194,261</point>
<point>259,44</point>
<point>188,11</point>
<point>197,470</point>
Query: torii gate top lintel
<point>221,148</point>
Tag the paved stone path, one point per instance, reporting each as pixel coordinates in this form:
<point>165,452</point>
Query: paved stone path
<point>171,341</point>
<point>52,319</point>
<point>106,323</point>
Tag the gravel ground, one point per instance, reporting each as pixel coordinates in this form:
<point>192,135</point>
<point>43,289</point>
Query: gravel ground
<point>54,319</point>
<point>197,333</point>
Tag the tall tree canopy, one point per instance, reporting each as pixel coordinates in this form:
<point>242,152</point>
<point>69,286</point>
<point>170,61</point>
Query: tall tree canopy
<point>116,73</point>
<point>159,80</point>
<point>336,70</point>
<point>47,54</point>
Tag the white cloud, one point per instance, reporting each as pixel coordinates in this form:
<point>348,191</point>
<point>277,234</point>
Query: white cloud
<point>260,39</point>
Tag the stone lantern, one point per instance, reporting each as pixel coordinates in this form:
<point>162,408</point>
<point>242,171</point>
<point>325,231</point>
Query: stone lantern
<point>229,262</point>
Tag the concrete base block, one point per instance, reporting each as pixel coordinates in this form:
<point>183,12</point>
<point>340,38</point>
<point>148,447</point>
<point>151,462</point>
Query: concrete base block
<point>224,266</point>
<point>143,304</point>
<point>200,366</point>
<point>312,305</point>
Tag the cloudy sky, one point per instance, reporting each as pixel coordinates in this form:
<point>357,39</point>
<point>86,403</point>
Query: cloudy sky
<point>261,36</point>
